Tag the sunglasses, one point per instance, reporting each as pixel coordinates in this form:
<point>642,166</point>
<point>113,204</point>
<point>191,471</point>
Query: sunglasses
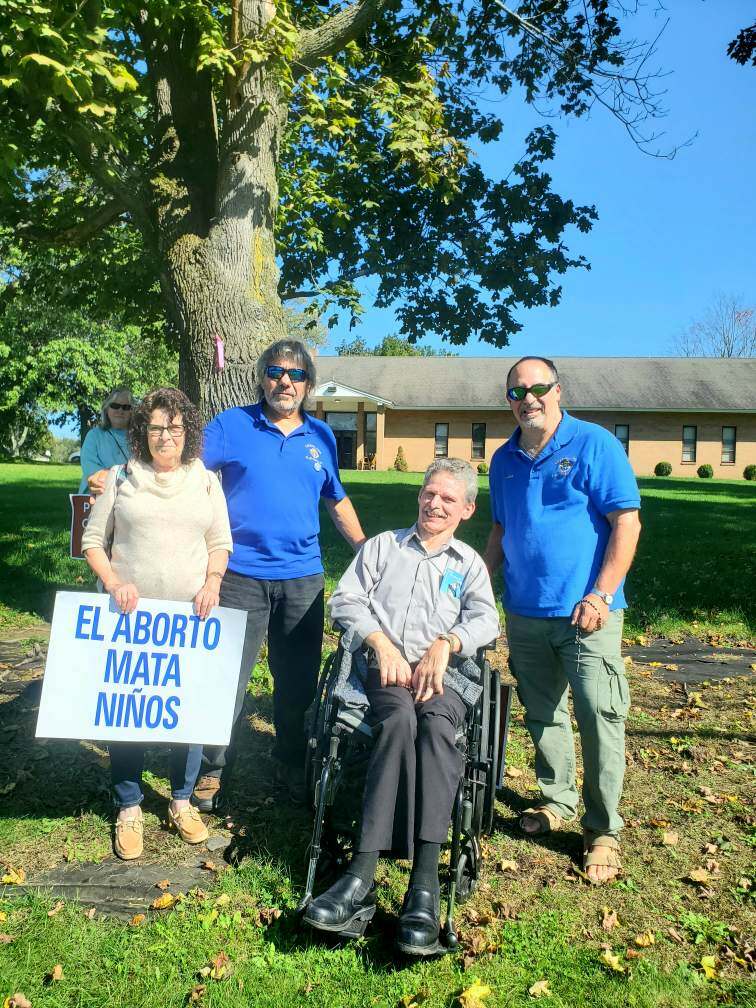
<point>518,393</point>
<point>276,372</point>
<point>120,405</point>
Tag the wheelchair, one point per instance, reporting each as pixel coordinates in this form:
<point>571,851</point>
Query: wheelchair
<point>339,744</point>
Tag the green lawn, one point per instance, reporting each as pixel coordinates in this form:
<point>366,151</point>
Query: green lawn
<point>693,572</point>
<point>691,765</point>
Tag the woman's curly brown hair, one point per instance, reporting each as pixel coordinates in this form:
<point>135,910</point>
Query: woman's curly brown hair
<point>173,402</point>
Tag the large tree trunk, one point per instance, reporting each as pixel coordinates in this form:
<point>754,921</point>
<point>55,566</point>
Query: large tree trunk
<point>215,197</point>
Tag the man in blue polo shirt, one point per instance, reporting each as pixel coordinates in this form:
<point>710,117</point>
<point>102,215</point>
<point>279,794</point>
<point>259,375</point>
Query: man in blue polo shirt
<point>276,463</point>
<point>565,504</point>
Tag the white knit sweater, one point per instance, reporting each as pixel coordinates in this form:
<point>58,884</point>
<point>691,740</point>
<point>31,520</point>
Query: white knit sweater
<point>164,525</point>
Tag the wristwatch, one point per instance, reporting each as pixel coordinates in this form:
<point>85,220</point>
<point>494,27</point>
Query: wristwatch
<point>606,597</point>
<point>449,640</point>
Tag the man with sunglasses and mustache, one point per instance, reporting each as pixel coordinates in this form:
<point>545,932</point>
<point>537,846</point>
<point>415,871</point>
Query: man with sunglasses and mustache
<point>276,463</point>
<point>565,505</point>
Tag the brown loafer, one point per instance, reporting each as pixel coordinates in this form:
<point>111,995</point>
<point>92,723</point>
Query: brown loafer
<point>188,824</point>
<point>128,838</point>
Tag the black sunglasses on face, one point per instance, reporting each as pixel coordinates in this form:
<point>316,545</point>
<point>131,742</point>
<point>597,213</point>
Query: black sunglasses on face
<point>276,372</point>
<point>120,405</point>
<point>518,393</point>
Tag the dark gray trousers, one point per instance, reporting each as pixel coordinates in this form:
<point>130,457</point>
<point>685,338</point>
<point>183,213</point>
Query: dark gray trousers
<point>291,613</point>
<point>414,770</point>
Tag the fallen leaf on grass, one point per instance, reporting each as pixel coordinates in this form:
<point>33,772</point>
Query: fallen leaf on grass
<point>91,913</point>
<point>659,823</point>
<point>710,848</point>
<point>712,867</point>
<point>6,939</point>
<point>510,866</point>
<point>220,967</point>
<point>474,995</point>
<point>55,974</point>
<point>675,936</point>
<point>209,866</point>
<point>670,838</point>
<point>163,902</point>
<point>268,914</point>
<point>505,911</point>
<point>633,954</point>
<point>514,772</point>
<point>698,875</point>
<point>612,961</point>
<point>609,919</point>
<point>138,919</point>
<point>13,876</point>
<point>709,967</point>
<point>196,993</point>
<point>3,916</point>
<point>17,1000</point>
<point>163,884</point>
<point>56,909</point>
<point>540,989</point>
<point>413,1000</point>
<point>223,899</point>
<point>645,939</point>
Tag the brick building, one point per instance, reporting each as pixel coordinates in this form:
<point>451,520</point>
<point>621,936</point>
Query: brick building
<point>682,410</point>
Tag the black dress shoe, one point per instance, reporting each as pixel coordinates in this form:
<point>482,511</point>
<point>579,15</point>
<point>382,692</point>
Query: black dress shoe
<point>345,908</point>
<point>419,924</point>
<point>293,779</point>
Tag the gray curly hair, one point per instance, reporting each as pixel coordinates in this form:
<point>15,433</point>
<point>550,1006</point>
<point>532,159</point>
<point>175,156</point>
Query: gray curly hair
<point>459,470</point>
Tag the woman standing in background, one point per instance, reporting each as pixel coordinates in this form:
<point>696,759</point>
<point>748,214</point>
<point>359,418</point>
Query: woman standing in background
<point>106,444</point>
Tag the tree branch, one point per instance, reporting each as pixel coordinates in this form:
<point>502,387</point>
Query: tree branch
<point>316,44</point>
<point>76,234</point>
<point>325,288</point>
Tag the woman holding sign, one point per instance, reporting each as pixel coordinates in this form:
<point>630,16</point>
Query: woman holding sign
<point>106,444</point>
<point>159,530</point>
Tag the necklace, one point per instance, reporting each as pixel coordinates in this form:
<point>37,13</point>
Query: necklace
<point>119,445</point>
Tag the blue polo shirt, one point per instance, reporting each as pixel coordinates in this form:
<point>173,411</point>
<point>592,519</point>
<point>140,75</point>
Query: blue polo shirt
<point>552,510</point>
<point>273,485</point>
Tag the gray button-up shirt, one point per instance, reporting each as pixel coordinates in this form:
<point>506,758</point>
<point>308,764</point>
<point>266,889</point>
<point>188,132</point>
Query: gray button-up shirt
<point>395,586</point>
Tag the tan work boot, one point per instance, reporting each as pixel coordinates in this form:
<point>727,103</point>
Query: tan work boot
<point>188,823</point>
<point>205,792</point>
<point>128,841</point>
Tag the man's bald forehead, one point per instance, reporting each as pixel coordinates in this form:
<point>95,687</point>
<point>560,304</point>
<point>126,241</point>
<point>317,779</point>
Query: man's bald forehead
<point>544,361</point>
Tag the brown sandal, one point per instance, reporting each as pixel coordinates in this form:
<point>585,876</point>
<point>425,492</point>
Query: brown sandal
<point>608,857</point>
<point>547,819</point>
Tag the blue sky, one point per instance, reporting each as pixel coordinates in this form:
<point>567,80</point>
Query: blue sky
<point>670,234</point>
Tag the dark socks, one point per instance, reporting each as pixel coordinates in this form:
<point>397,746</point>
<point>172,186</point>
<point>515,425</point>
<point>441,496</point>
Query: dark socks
<point>425,866</point>
<point>363,865</point>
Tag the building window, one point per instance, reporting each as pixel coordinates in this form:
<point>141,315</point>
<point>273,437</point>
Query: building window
<point>689,438</point>
<point>441,445</point>
<point>370,441</point>
<point>622,433</point>
<point>729,437</point>
<point>478,441</point>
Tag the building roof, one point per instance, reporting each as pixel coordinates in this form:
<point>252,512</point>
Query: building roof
<point>684,384</point>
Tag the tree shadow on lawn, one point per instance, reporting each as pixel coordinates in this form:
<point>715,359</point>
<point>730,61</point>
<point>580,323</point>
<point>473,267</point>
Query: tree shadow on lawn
<point>52,781</point>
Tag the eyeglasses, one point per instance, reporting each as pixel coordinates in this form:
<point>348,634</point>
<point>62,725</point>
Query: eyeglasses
<point>518,393</point>
<point>276,372</point>
<point>175,430</point>
<point>120,405</point>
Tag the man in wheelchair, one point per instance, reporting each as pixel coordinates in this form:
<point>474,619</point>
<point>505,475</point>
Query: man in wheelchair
<point>412,597</point>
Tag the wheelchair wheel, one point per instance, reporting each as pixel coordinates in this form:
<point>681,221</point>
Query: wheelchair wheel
<point>466,875</point>
<point>492,749</point>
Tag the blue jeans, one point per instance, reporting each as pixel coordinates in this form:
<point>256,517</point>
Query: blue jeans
<point>127,763</point>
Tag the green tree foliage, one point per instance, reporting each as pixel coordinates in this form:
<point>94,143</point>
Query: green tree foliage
<point>308,142</point>
<point>59,360</point>
<point>390,346</point>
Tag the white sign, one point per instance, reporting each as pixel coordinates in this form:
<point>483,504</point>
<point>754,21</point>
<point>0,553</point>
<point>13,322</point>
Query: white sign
<point>159,674</point>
